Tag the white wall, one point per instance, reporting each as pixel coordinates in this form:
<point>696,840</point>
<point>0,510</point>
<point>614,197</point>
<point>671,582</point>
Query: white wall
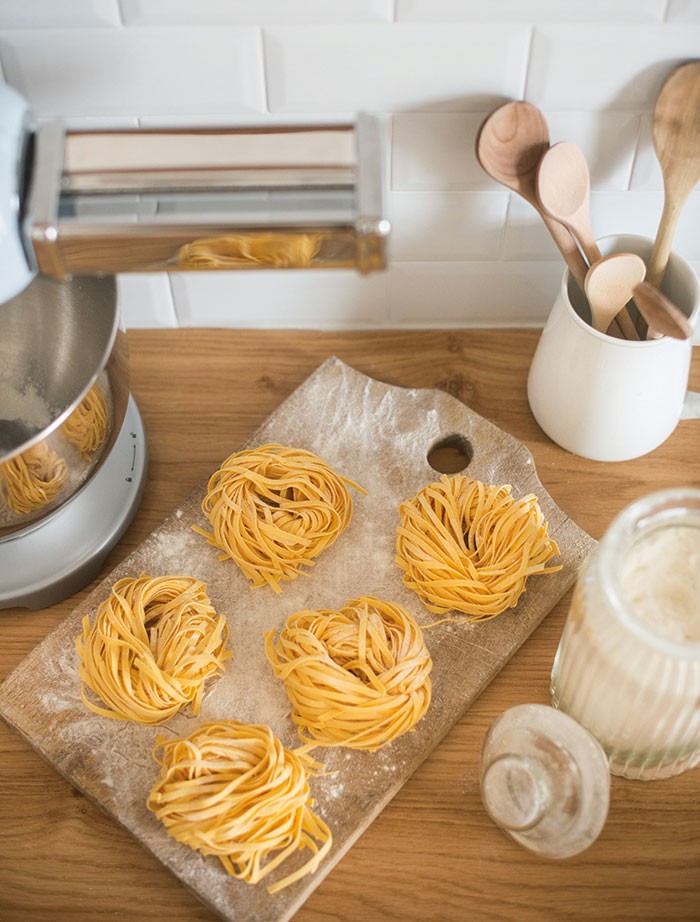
<point>464,251</point>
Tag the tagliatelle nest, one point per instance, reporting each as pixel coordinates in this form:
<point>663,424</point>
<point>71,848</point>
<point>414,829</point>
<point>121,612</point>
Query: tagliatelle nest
<point>232,790</point>
<point>274,509</point>
<point>358,677</point>
<point>87,426</point>
<point>33,479</point>
<point>467,547</point>
<point>154,643</point>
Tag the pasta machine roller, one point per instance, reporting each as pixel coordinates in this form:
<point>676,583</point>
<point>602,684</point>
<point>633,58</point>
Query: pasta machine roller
<point>177,199</point>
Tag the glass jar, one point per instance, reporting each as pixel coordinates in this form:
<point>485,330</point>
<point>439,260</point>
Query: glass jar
<point>628,663</point>
<point>544,780</point>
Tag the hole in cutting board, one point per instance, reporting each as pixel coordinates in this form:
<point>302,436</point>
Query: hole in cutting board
<point>450,454</point>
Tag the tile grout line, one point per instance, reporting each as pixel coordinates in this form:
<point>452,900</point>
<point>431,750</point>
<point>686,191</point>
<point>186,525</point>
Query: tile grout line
<point>528,63</point>
<point>265,67</point>
<point>173,301</point>
<point>635,155</point>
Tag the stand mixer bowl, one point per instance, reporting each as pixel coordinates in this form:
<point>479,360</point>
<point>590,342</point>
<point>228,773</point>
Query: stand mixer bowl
<point>64,391</point>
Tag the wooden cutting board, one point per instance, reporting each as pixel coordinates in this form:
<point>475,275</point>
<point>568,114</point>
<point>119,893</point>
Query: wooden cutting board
<point>379,436</point>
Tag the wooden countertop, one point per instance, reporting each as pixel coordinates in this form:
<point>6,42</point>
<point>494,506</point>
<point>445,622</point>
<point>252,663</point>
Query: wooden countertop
<point>433,854</point>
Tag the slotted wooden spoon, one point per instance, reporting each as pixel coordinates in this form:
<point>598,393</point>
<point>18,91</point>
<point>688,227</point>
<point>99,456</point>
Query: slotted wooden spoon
<point>676,134</point>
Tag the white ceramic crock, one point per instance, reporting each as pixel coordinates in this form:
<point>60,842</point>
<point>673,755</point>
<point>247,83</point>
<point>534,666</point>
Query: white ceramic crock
<point>604,398</point>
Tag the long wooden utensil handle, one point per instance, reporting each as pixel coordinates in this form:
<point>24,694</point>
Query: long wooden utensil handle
<point>626,324</point>
<point>578,268</point>
<point>664,239</point>
<point>567,247</point>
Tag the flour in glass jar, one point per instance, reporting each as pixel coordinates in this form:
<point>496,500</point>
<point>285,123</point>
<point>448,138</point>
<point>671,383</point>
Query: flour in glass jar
<point>661,581</point>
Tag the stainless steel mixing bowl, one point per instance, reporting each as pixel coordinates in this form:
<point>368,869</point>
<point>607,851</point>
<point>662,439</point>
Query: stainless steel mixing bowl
<point>64,390</point>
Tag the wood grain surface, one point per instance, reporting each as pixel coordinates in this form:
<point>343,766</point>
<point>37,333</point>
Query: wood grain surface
<point>433,853</point>
<point>380,436</point>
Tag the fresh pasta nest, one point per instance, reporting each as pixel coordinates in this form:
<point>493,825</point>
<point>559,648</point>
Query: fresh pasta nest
<point>232,790</point>
<point>358,677</point>
<point>467,547</point>
<point>33,479</point>
<point>274,509</point>
<point>154,643</point>
<point>87,426</point>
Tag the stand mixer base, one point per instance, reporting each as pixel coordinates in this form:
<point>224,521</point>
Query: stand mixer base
<point>58,558</point>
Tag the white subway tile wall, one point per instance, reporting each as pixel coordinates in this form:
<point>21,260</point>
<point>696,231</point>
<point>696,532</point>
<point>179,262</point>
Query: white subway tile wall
<point>134,72</point>
<point>67,14</point>
<point>253,12</point>
<point>316,299</point>
<point>530,11</point>
<point>146,301</point>
<point>464,251</point>
<point>609,67</point>
<point>394,67</point>
<point>683,11</point>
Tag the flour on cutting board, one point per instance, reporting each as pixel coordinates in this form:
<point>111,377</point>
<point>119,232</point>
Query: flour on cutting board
<point>378,436</point>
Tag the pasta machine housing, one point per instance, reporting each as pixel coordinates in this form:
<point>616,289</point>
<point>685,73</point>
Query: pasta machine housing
<point>98,202</point>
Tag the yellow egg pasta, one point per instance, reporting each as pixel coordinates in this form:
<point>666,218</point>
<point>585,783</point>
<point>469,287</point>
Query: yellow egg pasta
<point>33,479</point>
<point>232,790</point>
<point>87,426</point>
<point>467,547</point>
<point>153,644</point>
<point>273,251</point>
<point>358,677</point>
<point>273,510</point>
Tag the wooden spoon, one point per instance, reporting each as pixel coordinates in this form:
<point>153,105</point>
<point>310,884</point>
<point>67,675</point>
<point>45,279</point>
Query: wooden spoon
<point>661,314</point>
<point>564,192</point>
<point>609,285</point>
<point>509,147</point>
<point>676,134</point>
<point>563,185</point>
